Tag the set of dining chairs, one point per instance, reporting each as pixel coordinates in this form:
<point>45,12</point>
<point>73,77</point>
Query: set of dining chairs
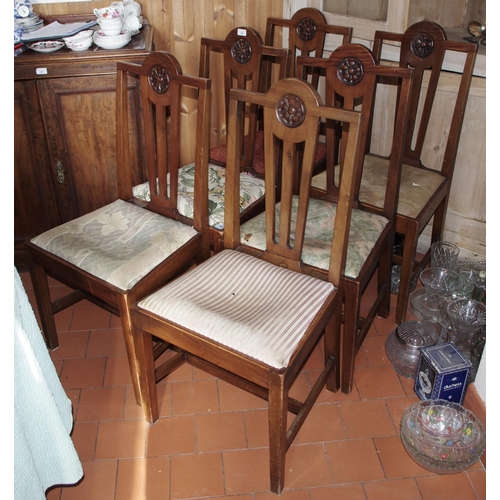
<point>243,260</point>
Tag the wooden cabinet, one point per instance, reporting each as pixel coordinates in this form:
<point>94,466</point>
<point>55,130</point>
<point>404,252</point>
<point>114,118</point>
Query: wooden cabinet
<point>64,134</point>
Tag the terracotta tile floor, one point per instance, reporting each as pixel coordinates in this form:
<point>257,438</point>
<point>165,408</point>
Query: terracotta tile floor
<point>211,438</point>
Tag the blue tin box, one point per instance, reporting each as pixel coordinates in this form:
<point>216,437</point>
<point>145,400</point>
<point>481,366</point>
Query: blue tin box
<point>442,373</point>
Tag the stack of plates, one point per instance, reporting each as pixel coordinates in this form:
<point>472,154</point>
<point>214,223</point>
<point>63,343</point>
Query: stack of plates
<point>112,41</point>
<point>28,24</point>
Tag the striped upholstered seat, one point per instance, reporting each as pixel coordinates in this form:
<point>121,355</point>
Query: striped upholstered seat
<point>260,310</point>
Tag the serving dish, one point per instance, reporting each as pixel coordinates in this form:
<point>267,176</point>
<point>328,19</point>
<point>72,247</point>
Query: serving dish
<point>442,436</point>
<point>46,46</point>
<point>81,41</point>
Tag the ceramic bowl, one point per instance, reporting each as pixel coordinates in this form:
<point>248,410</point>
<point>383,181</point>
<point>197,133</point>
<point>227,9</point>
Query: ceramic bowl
<point>111,26</point>
<point>79,45</point>
<point>82,35</point>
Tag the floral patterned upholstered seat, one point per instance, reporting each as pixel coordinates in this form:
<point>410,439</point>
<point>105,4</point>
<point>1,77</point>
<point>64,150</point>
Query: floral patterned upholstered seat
<point>365,230</point>
<point>119,243</point>
<point>251,190</point>
<point>414,190</point>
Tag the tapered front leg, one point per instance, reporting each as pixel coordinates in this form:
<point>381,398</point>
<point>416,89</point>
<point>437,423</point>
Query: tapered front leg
<point>145,369</point>
<point>277,430</point>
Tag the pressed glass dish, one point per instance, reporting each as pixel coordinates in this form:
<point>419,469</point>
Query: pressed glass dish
<point>442,436</point>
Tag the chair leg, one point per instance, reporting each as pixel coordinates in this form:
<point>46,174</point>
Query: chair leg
<point>406,277</point>
<point>384,280</point>
<point>438,221</point>
<point>332,336</point>
<point>145,370</point>
<point>44,303</point>
<point>350,333</point>
<point>277,430</point>
<point>130,344</point>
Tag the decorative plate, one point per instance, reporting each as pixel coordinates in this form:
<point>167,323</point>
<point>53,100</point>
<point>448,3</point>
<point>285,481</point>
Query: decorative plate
<point>46,46</point>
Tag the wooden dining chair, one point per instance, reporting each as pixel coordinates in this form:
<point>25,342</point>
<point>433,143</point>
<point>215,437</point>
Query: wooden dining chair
<point>120,252</point>
<point>351,77</point>
<point>252,318</point>
<point>424,189</point>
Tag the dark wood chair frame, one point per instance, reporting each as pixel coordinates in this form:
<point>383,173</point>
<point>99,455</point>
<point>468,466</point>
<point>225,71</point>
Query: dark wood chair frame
<point>424,47</point>
<point>307,30</point>
<point>245,372</point>
<point>351,77</point>
<point>161,81</point>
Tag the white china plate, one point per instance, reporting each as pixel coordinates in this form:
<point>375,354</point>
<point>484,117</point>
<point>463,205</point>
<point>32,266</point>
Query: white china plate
<point>115,44</point>
<point>100,34</point>
<point>46,46</point>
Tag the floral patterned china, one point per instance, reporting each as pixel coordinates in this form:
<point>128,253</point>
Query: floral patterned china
<point>46,46</point>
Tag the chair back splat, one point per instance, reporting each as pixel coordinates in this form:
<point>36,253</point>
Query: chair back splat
<point>305,34</point>
<point>252,317</point>
<point>424,188</point>
<point>118,253</point>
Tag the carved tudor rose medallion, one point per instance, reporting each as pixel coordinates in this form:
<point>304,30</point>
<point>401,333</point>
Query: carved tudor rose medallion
<point>306,29</point>
<point>241,51</point>
<point>291,110</point>
<point>350,71</point>
<point>422,45</point>
<point>159,79</point>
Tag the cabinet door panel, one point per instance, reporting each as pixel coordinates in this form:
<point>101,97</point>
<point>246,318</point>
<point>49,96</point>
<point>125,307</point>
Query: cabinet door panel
<point>80,116</point>
<point>35,208</point>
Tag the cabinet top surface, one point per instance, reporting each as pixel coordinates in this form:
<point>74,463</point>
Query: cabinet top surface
<point>27,65</point>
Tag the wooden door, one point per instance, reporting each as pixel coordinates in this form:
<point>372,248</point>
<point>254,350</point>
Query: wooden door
<point>80,115</point>
<point>35,208</point>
